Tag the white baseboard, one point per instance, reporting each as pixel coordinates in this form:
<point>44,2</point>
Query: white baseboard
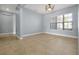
<point>5,33</point>
<point>62,35</point>
<point>19,37</point>
<point>14,32</point>
<point>31,34</point>
<point>26,35</point>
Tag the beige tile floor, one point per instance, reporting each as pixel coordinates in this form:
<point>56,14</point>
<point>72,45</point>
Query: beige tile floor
<point>41,44</point>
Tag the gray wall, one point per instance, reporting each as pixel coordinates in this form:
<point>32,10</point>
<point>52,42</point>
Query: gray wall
<point>47,18</point>
<point>18,20</point>
<point>6,22</point>
<point>30,22</point>
<point>78,29</point>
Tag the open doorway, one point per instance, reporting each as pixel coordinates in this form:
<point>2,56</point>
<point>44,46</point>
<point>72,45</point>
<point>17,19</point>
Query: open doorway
<point>7,19</point>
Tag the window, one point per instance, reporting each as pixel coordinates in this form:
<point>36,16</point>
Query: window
<point>68,21</point>
<point>60,22</point>
<point>53,23</point>
<point>64,22</point>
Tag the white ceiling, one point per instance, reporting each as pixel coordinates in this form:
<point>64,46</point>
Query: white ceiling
<point>40,8</point>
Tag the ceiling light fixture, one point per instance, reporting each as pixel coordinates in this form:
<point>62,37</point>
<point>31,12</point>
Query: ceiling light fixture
<point>49,7</point>
<point>7,9</point>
